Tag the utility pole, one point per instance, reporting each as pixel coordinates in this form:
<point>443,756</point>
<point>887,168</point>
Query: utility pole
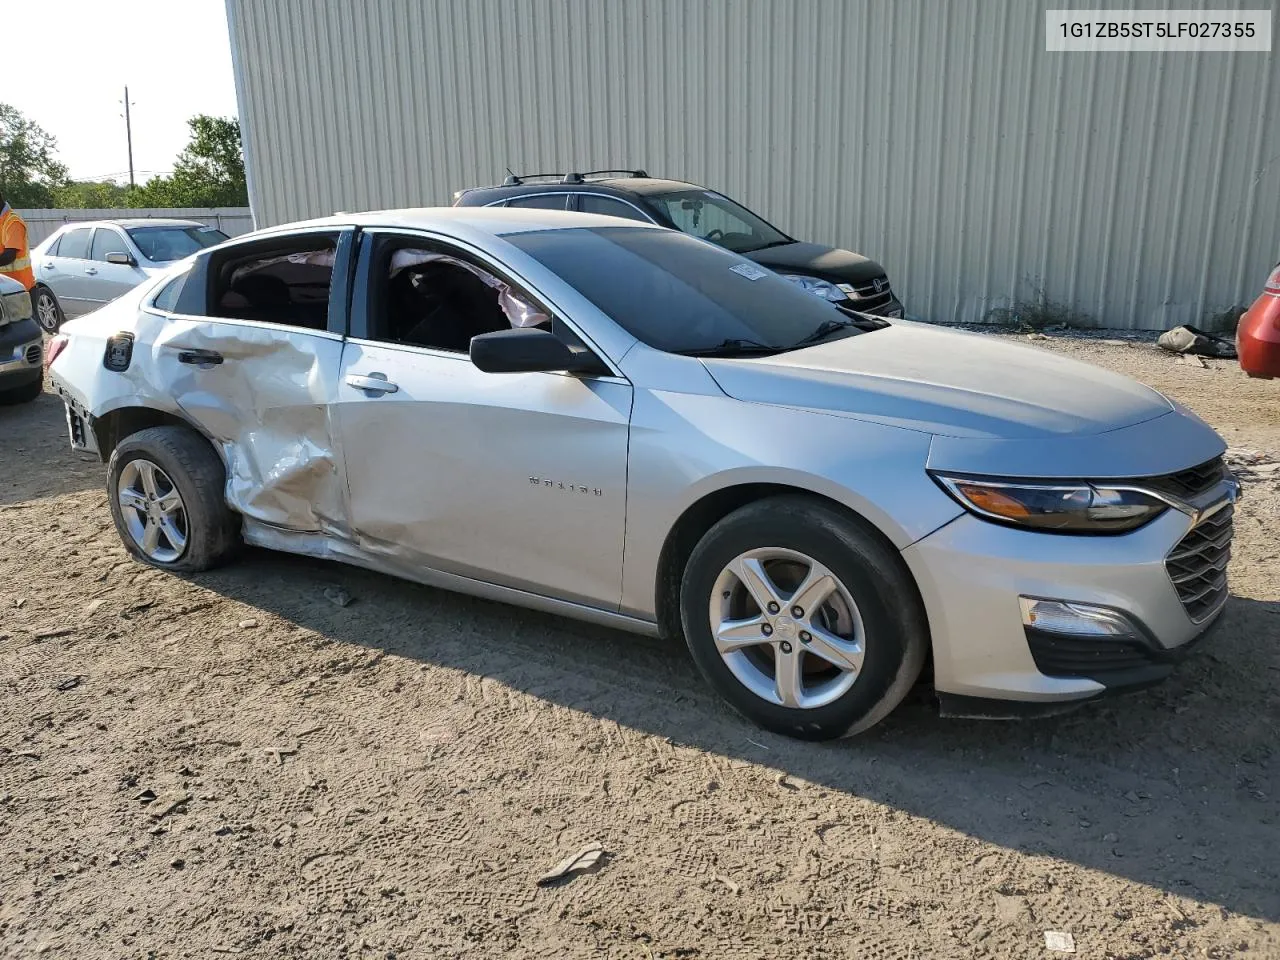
<point>128,132</point>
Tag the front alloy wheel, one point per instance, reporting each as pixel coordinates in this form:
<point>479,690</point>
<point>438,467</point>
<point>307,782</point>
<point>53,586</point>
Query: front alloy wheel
<point>153,511</point>
<point>48,313</point>
<point>787,628</point>
<point>803,617</point>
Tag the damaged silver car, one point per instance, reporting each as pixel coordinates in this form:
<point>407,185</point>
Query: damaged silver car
<point>632,426</point>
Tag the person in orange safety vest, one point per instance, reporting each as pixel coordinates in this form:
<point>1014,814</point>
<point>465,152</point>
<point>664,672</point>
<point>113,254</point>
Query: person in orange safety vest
<point>15,254</point>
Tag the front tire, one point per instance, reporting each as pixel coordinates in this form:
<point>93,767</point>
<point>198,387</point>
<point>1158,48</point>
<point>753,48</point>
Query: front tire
<point>47,311</point>
<point>165,487</point>
<point>803,618</point>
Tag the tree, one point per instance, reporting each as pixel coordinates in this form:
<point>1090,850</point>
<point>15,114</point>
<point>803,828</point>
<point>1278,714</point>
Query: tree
<point>29,171</point>
<point>208,173</point>
<point>91,194</point>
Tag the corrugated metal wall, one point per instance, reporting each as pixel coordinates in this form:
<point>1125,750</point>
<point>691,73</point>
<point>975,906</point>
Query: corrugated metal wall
<point>232,221</point>
<point>1143,190</point>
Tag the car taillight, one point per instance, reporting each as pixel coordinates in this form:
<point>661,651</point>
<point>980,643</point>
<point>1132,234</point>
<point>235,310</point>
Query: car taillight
<point>1273,283</point>
<point>56,346</point>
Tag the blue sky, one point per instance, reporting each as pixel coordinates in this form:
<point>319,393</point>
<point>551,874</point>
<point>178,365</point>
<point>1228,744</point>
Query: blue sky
<point>174,56</point>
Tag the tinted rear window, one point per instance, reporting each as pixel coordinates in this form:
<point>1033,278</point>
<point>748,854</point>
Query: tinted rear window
<point>674,292</point>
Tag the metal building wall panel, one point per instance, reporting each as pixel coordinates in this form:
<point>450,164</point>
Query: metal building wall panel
<point>1139,190</point>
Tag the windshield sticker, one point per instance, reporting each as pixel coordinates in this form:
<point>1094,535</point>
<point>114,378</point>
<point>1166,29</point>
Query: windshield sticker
<point>749,270</point>
<point>207,229</point>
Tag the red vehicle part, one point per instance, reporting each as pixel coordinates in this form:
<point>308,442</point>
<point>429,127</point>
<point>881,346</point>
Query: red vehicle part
<point>1258,335</point>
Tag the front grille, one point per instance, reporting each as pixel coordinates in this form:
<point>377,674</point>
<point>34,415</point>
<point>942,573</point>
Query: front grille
<point>1191,482</point>
<point>34,354</point>
<point>1197,565</point>
<point>868,298</point>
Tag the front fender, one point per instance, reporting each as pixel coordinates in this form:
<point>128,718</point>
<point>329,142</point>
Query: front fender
<point>686,447</point>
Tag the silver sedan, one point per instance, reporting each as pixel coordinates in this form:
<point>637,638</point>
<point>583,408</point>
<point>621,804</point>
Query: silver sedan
<point>83,266</point>
<point>640,429</point>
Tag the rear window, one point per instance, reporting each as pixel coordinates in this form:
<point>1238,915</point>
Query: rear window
<point>677,293</point>
<point>162,244</point>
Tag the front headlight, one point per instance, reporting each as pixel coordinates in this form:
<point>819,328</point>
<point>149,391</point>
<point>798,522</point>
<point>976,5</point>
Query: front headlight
<point>819,288</point>
<point>15,306</point>
<point>1063,507</point>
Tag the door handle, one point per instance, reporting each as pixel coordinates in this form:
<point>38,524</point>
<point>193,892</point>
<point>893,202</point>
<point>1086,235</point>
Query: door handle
<point>200,358</point>
<point>374,383</point>
<point>91,271</point>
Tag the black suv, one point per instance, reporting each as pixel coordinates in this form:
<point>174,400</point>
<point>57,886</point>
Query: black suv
<point>840,276</point>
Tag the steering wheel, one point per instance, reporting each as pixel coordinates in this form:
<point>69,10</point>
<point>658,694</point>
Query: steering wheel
<point>713,235</point>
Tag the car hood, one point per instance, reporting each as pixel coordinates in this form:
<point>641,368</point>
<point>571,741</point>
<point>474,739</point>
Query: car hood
<point>993,406</point>
<point>813,259</point>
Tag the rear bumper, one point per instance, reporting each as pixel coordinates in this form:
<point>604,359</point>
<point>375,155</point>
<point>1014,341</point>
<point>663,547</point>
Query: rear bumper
<point>21,354</point>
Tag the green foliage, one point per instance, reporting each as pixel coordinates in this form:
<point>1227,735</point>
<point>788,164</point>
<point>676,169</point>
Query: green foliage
<point>89,194</point>
<point>208,173</point>
<point>29,170</point>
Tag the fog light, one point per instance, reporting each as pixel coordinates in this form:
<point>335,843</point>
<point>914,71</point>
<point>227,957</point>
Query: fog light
<point>1075,619</point>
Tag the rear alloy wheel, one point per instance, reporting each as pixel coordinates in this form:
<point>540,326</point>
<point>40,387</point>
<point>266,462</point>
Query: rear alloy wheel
<point>48,313</point>
<point>154,514</point>
<point>166,493</point>
<point>803,618</point>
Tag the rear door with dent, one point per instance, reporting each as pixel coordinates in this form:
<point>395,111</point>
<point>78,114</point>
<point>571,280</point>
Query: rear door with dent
<point>250,353</point>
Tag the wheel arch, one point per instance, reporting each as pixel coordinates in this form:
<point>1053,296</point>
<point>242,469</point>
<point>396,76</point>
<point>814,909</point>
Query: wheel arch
<point>710,509</point>
<point>114,426</point>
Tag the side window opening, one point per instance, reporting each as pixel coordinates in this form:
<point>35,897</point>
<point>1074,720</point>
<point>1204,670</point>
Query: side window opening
<point>429,298</point>
<point>541,201</point>
<point>285,283</point>
<point>106,241</point>
<point>75,244</point>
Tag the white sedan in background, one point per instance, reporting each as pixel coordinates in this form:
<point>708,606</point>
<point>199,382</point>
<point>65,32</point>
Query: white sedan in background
<point>83,266</point>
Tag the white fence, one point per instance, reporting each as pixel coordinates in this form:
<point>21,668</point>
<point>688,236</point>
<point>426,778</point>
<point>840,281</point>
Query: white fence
<point>232,221</point>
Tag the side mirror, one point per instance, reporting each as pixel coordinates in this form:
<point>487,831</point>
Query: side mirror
<point>526,350</point>
<point>122,258</point>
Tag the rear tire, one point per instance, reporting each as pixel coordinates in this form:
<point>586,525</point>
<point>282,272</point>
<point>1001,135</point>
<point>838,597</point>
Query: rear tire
<point>23,394</point>
<point>832,670</point>
<point>46,310</point>
<point>165,487</point>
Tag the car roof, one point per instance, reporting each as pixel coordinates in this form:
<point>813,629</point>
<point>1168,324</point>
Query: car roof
<point>132,223</point>
<point>493,221</point>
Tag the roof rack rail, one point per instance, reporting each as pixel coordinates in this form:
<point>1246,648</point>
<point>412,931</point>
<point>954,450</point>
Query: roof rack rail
<point>515,181</point>
<point>629,173</point>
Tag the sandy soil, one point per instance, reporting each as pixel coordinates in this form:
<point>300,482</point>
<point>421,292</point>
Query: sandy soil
<point>391,778</point>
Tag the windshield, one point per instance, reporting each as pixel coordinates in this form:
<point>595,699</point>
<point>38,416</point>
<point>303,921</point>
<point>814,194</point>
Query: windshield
<point>702,213</point>
<point>679,294</point>
<point>161,244</point>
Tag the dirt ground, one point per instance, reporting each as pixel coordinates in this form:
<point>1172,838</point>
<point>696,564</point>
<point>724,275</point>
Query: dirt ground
<point>391,778</point>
